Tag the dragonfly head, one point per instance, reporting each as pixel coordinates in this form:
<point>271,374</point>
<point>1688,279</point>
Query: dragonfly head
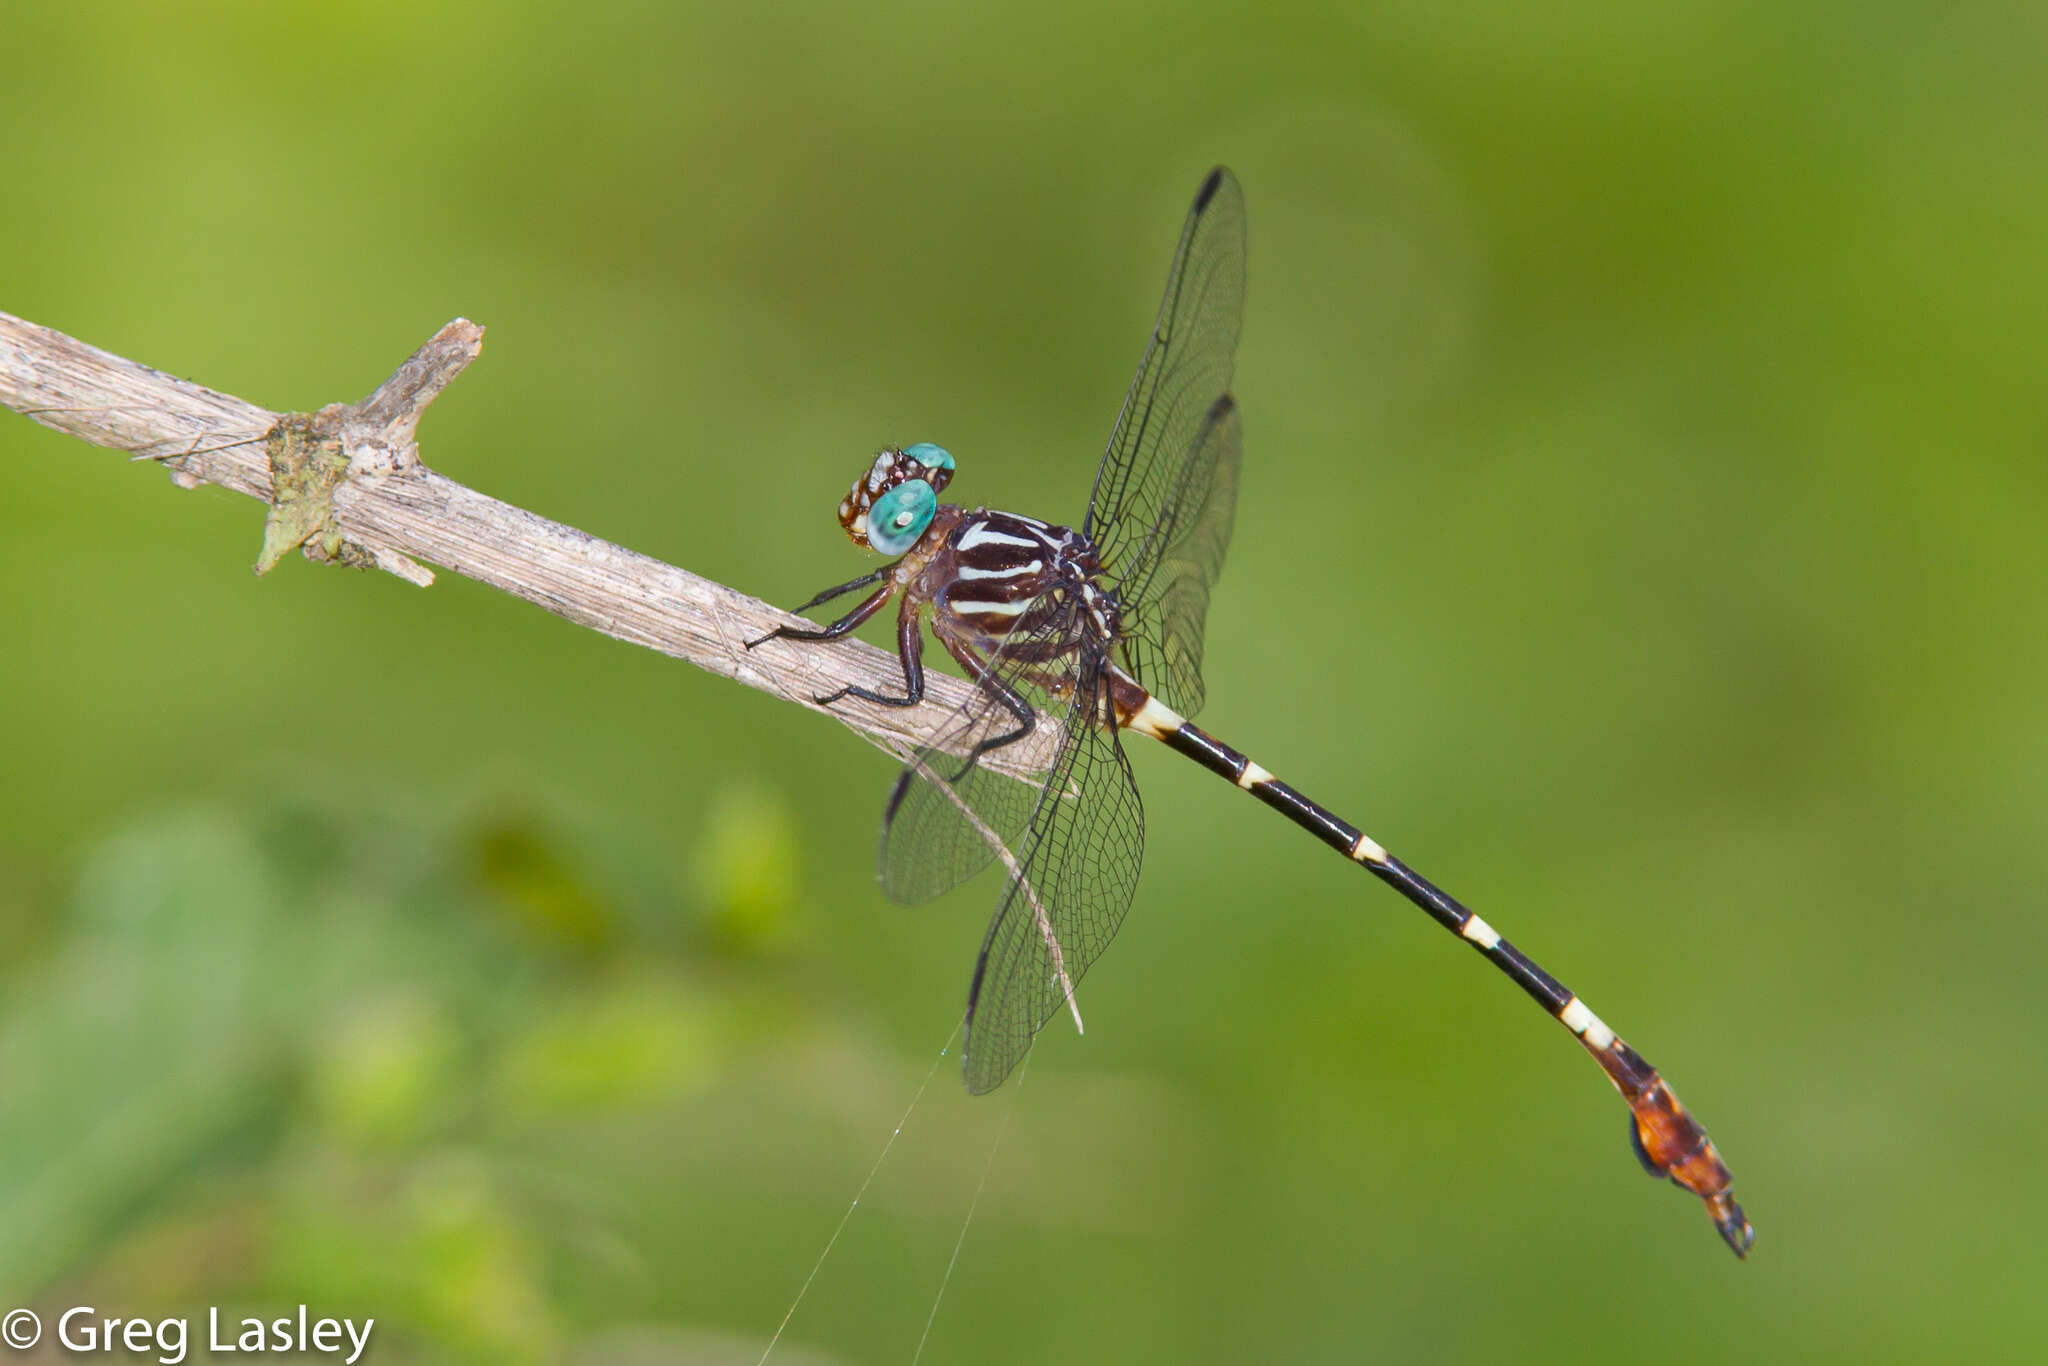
<point>894,499</point>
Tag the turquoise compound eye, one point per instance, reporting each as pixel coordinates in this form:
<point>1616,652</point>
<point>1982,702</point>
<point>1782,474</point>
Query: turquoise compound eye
<point>930,456</point>
<point>900,516</point>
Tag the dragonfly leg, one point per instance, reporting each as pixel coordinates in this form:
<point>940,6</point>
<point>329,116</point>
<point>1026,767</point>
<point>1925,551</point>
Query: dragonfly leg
<point>986,679</point>
<point>845,624</point>
<point>840,589</point>
<point>909,650</point>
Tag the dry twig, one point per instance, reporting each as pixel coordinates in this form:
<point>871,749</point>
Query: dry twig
<point>346,484</point>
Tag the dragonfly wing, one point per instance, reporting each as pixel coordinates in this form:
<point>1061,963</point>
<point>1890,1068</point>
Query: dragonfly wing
<point>947,817</point>
<point>950,815</point>
<point>1167,485</point>
<point>1166,582</point>
<point>1063,902</point>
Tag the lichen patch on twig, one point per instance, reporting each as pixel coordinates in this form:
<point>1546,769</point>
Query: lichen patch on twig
<point>306,466</point>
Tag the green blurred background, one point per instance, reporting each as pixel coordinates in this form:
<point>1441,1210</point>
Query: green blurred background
<point>1641,532</point>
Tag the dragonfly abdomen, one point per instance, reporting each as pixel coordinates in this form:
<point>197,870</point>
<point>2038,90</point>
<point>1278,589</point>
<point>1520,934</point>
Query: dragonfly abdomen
<point>1666,1138</point>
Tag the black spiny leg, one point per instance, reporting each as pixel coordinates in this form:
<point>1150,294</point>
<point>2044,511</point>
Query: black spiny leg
<point>849,622</point>
<point>985,678</point>
<point>909,642</point>
<point>844,588</point>
<point>909,650</point>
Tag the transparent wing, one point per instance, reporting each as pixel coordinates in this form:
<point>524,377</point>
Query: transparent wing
<point>1065,900</point>
<point>1158,485</point>
<point>948,815</point>
<point>1165,585</point>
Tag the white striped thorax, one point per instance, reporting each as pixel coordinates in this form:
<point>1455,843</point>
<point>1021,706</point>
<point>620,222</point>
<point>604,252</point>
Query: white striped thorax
<point>893,502</point>
<point>987,530</point>
<point>1004,573</point>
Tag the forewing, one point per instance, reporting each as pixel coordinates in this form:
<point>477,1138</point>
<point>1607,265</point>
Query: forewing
<point>1169,416</point>
<point>1166,583</point>
<point>1063,904</point>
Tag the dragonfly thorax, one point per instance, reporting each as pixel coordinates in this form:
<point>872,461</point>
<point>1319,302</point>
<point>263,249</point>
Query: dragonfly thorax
<point>891,504</point>
<point>1000,574</point>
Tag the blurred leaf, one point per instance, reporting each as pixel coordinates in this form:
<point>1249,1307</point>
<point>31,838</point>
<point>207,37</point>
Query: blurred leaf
<point>623,1045</point>
<point>748,870</point>
<point>381,1074</point>
<point>157,1031</point>
<point>517,861</point>
<point>433,1246</point>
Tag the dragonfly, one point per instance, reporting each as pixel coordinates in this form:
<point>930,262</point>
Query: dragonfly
<point>1098,629</point>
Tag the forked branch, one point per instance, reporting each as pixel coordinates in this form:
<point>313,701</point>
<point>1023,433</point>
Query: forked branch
<point>346,483</point>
